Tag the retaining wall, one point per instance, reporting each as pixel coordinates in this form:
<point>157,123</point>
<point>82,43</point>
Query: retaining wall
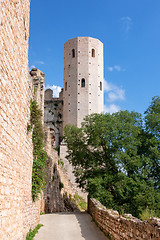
<point>119,227</point>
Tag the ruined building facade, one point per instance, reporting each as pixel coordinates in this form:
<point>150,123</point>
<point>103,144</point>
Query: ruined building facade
<point>38,82</point>
<point>83,86</point>
<point>82,94</point>
<point>53,115</point>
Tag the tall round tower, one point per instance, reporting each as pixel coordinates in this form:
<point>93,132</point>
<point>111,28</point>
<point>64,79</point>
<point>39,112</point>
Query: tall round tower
<point>83,79</point>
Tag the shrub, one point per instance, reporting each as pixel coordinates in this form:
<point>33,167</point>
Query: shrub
<point>147,214</point>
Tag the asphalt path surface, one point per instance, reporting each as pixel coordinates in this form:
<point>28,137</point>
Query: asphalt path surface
<point>68,226</point>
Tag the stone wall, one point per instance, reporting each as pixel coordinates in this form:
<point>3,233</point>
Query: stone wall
<point>17,211</point>
<point>53,110</point>
<point>38,79</point>
<point>68,168</point>
<point>53,193</point>
<point>123,228</point>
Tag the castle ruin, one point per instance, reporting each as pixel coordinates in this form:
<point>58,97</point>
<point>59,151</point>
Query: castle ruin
<point>82,95</point>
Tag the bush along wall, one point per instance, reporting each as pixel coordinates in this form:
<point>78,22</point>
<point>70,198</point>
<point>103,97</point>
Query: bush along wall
<point>39,154</point>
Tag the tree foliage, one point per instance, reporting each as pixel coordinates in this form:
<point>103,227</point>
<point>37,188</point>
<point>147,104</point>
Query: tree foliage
<point>116,159</point>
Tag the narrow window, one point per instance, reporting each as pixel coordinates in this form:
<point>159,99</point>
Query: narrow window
<point>101,86</point>
<point>73,53</point>
<point>93,52</point>
<point>83,82</point>
<point>65,86</point>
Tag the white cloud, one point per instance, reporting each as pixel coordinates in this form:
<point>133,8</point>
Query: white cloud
<point>56,90</point>
<point>110,69</point>
<point>116,94</point>
<point>113,92</point>
<point>126,23</point>
<point>36,63</point>
<point>115,67</point>
<point>33,66</point>
<point>126,19</point>
<point>40,62</point>
<point>112,108</point>
<point>107,86</point>
<point>118,68</point>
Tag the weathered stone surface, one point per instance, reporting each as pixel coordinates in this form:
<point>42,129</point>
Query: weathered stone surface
<point>38,81</point>
<point>121,228</point>
<point>54,195</point>
<point>53,115</point>
<point>17,211</point>
<point>81,65</point>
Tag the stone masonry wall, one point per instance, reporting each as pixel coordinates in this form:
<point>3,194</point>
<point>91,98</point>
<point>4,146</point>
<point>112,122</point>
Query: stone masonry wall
<point>17,212</point>
<point>123,228</point>
<point>38,80</point>
<point>53,193</point>
<point>80,99</point>
<point>68,168</point>
<point>53,108</point>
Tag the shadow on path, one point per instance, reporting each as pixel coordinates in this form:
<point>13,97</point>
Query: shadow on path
<point>69,226</point>
<point>89,229</point>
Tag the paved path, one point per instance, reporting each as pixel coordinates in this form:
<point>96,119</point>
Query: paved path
<point>68,226</point>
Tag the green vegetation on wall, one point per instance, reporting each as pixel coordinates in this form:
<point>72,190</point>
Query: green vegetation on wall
<point>32,234</point>
<point>39,154</point>
<point>116,158</point>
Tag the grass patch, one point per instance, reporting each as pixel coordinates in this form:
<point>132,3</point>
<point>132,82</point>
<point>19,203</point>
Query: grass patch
<point>147,214</point>
<point>80,202</point>
<point>32,233</point>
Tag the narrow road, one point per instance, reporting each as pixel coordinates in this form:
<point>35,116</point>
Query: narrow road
<point>68,226</point>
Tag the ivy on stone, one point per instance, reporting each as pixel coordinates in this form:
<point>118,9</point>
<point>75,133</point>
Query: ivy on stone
<point>39,154</point>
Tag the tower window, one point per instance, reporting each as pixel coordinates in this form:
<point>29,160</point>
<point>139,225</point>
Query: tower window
<point>73,53</point>
<point>93,52</point>
<point>101,86</point>
<point>65,86</point>
<point>83,82</point>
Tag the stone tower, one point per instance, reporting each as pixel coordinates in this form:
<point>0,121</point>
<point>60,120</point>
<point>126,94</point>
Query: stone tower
<point>83,79</point>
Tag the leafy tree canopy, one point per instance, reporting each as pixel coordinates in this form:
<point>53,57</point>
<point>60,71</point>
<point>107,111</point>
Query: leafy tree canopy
<point>116,158</point>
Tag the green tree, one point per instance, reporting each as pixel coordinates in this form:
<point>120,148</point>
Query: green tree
<point>152,124</point>
<point>152,117</point>
<point>108,158</point>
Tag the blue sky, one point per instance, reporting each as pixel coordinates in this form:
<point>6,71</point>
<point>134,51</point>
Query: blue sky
<point>130,32</point>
